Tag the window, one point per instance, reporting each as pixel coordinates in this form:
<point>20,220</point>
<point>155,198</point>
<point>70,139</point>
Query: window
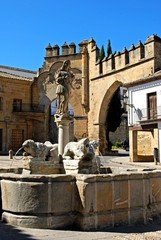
<point>17,105</point>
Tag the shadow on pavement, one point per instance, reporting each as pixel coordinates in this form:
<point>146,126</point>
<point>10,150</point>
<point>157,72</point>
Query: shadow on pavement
<point>8,232</point>
<point>151,226</point>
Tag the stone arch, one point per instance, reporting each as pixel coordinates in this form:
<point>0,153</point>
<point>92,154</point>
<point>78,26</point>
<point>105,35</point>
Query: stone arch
<point>103,114</point>
<point>47,84</point>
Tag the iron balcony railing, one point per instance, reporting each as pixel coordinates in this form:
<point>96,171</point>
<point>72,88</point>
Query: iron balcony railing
<point>25,107</point>
<point>146,114</point>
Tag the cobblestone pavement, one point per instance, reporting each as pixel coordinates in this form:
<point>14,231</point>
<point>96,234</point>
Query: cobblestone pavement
<point>151,231</point>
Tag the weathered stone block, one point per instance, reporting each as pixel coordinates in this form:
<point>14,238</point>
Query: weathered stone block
<point>48,196</point>
<point>55,221</point>
<point>24,197</point>
<point>137,216</point>
<point>136,193</point>
<point>104,219</point>
<point>155,183</point>
<point>61,196</point>
<point>121,192</point>
<point>121,217</point>
<point>103,196</point>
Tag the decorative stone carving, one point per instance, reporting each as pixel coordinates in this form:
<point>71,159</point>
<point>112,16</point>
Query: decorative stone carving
<point>63,79</point>
<point>41,151</point>
<point>76,83</point>
<point>48,80</point>
<point>76,150</point>
<point>79,157</point>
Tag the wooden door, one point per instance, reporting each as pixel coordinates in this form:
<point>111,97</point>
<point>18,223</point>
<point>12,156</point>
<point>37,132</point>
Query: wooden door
<point>152,105</point>
<point>17,139</point>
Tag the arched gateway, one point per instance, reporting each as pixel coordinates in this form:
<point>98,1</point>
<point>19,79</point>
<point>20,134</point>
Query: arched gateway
<point>95,82</point>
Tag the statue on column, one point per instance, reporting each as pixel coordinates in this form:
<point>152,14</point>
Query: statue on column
<point>63,79</point>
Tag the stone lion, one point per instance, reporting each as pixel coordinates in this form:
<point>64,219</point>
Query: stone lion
<point>76,150</point>
<point>41,151</point>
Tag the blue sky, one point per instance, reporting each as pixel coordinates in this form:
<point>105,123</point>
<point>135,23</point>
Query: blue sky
<point>27,26</point>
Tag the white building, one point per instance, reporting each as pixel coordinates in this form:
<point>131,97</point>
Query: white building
<point>144,118</point>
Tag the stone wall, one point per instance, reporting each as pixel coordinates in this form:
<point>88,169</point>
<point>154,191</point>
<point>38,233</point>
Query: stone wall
<point>88,201</point>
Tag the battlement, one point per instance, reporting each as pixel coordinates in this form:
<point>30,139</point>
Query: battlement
<point>68,49</point>
<point>126,58</point>
<point>134,55</point>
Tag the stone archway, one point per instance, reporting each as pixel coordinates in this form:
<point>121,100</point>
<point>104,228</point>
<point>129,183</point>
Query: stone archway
<point>103,115</point>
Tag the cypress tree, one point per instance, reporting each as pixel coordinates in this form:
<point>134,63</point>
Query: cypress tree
<point>109,48</point>
<point>102,53</point>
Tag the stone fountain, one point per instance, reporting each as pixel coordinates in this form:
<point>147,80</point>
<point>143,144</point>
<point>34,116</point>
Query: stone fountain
<point>64,157</point>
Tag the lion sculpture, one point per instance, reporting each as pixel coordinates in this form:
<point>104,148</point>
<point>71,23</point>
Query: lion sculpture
<point>81,150</point>
<point>41,151</point>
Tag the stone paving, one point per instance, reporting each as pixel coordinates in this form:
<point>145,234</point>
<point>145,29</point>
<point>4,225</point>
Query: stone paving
<point>150,231</point>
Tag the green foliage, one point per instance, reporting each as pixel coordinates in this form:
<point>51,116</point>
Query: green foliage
<point>102,53</point>
<point>109,48</point>
<point>118,144</point>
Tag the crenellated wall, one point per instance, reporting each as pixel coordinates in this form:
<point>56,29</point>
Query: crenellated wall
<point>128,58</point>
<point>136,54</point>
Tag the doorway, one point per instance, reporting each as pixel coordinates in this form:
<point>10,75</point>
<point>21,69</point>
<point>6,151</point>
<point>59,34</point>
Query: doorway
<point>17,139</point>
<point>152,105</point>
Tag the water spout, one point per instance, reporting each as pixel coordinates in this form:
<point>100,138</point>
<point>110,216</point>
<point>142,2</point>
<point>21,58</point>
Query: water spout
<point>92,147</point>
<point>14,157</point>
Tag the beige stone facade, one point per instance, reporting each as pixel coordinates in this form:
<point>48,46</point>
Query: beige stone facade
<point>92,90</point>
<point>17,115</point>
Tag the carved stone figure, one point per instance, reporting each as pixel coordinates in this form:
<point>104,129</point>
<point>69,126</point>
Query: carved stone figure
<point>80,157</point>
<point>81,150</point>
<point>41,151</point>
<point>76,150</point>
<point>63,78</point>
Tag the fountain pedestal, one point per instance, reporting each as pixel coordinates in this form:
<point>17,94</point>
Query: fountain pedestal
<point>63,131</point>
<point>75,166</point>
<point>35,166</point>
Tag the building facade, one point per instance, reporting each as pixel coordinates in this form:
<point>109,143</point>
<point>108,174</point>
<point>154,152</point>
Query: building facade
<point>144,111</point>
<point>20,114</point>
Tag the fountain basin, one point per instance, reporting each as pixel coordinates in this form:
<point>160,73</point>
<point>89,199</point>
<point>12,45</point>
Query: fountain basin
<point>90,201</point>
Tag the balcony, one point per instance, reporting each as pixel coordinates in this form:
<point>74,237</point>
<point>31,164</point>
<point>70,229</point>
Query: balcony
<point>25,107</point>
<point>148,116</point>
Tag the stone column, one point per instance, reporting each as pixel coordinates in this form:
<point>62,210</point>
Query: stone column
<point>63,133</point>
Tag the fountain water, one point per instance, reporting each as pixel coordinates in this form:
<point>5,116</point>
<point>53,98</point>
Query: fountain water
<point>14,157</point>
